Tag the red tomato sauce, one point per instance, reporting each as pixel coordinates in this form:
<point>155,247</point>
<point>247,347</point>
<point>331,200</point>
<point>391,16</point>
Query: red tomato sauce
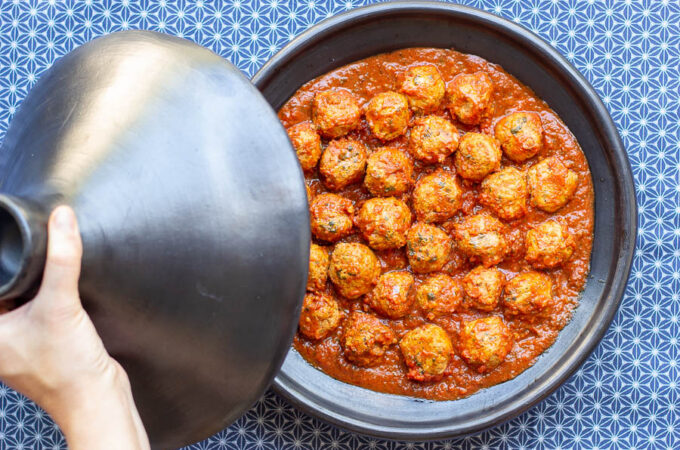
<point>380,73</point>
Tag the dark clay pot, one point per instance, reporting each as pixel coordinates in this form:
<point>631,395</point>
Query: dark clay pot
<point>390,26</point>
<point>193,216</point>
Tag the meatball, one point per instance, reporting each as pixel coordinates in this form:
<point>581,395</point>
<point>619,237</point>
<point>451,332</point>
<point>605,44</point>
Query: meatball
<point>393,296</point>
<point>342,163</point>
<point>478,155</point>
<point>365,339</point>
<point>527,294</point>
<point>551,184</point>
<point>436,197</point>
<point>389,172</point>
<point>384,222</point>
<point>469,97</point>
<point>335,112</point>
<point>307,144</point>
<point>424,87</point>
<point>549,245</point>
<point>388,115</point>
<point>439,295</point>
<point>428,248</point>
<point>354,269</point>
<point>318,268</point>
<point>319,316</point>
<point>505,192</point>
<point>427,351</point>
<point>483,288</point>
<point>484,343</point>
<point>481,238</point>
<point>432,139</point>
<point>331,217</point>
<point>520,135</point>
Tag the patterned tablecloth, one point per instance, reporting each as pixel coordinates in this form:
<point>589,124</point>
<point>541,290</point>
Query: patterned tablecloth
<point>627,394</point>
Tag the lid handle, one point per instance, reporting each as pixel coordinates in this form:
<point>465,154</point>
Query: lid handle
<point>23,246</point>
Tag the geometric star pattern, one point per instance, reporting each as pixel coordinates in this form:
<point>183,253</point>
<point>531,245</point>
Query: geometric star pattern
<point>627,394</point>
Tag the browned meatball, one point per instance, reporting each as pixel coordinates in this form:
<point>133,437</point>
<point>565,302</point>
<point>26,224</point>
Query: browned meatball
<point>481,237</point>
<point>318,268</point>
<point>354,269</point>
<point>384,222</point>
<point>342,163</point>
<point>483,288</point>
<point>319,316</point>
<point>520,135</point>
<point>335,112</point>
<point>393,296</point>
<point>478,155</point>
<point>331,217</point>
<point>389,173</point>
<point>551,184</point>
<point>527,294</point>
<point>388,115</point>
<point>365,339</point>
<point>436,197</point>
<point>427,351</point>
<point>424,87</point>
<point>484,343</point>
<point>469,97</point>
<point>307,144</point>
<point>505,192</point>
<point>428,248</point>
<point>432,139</point>
<point>439,295</point>
<point>549,245</point>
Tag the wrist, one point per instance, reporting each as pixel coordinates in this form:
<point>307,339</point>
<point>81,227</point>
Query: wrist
<point>98,412</point>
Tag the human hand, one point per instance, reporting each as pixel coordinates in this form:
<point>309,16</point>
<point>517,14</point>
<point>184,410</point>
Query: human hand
<point>51,352</point>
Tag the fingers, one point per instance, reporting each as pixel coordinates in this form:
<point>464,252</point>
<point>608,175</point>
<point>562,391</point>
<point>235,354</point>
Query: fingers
<point>59,286</point>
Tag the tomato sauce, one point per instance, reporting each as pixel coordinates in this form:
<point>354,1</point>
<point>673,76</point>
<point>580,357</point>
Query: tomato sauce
<point>380,73</point>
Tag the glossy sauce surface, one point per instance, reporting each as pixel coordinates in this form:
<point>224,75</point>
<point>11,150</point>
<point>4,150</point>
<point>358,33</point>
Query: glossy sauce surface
<point>381,73</point>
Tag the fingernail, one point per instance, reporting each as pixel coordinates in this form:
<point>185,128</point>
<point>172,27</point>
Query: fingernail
<point>64,219</point>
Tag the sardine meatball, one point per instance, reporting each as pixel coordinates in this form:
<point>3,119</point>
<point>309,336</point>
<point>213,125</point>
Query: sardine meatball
<point>320,315</point>
<point>478,155</point>
<point>469,97</point>
<point>354,269</point>
<point>365,339</point>
<point>384,222</point>
<point>335,112</point>
<point>427,351</point>
<point>389,172</point>
<point>436,197</point>
<point>528,294</point>
<point>318,268</point>
<point>483,287</point>
<point>439,295</point>
<point>331,217</point>
<point>520,135</point>
<point>551,184</point>
<point>484,343</point>
<point>481,237</point>
<point>342,163</point>
<point>424,87</point>
<point>388,115</point>
<point>307,144</point>
<point>393,296</point>
<point>505,192</point>
<point>549,245</point>
<point>428,248</point>
<point>432,139</point>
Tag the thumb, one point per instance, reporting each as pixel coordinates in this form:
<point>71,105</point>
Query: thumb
<point>59,286</point>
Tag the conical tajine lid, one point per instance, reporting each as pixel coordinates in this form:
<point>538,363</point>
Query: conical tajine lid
<point>193,215</point>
